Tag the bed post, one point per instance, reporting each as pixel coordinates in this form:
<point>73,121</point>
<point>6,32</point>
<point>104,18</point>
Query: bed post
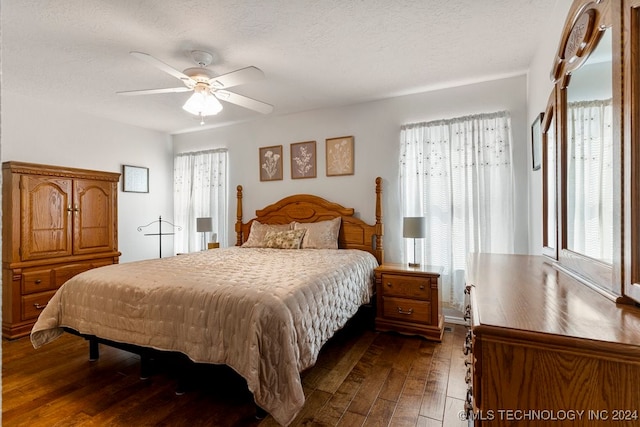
<point>239,216</point>
<point>379,227</point>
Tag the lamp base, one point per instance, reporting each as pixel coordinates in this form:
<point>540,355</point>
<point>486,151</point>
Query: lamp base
<point>414,264</point>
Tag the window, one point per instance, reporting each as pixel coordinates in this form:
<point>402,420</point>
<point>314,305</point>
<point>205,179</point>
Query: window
<point>199,190</point>
<point>458,174</point>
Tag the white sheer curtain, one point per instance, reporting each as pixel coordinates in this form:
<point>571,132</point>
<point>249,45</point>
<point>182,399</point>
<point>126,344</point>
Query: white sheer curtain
<point>458,174</point>
<point>590,178</point>
<point>199,190</point>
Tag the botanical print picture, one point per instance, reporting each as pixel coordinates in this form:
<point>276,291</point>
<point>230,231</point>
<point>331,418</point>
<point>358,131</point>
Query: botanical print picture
<point>340,156</point>
<point>271,163</point>
<point>303,160</point>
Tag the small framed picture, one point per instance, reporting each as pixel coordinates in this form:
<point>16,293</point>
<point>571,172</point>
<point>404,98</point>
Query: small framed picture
<point>340,154</point>
<point>303,160</point>
<point>135,179</point>
<point>536,142</point>
<point>271,163</point>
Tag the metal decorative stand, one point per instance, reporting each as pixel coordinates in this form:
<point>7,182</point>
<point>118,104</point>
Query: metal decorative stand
<point>160,233</point>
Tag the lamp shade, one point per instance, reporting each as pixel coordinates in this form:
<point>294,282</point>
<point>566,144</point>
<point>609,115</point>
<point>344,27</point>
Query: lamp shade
<point>204,224</point>
<point>202,103</point>
<point>414,227</point>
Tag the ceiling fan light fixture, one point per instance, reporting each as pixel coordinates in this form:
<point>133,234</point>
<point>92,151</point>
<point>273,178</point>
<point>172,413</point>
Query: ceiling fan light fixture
<point>202,103</point>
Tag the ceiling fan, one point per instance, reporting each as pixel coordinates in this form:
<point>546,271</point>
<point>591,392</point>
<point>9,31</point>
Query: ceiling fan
<point>206,86</point>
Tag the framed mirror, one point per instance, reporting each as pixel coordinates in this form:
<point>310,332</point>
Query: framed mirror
<point>588,118</point>
<point>588,156</point>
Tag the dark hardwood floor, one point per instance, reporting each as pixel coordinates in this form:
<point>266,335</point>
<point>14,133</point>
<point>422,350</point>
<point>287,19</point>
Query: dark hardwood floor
<point>362,378</point>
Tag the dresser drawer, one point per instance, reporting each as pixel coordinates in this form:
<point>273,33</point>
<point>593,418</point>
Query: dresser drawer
<point>33,304</point>
<point>406,310</point>
<point>406,286</point>
<point>37,281</point>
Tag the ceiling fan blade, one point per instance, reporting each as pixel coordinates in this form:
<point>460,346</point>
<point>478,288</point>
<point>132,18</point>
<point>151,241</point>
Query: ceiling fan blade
<point>161,65</point>
<point>244,101</point>
<point>235,78</point>
<point>153,91</point>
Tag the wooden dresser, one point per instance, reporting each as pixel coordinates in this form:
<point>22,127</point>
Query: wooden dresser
<point>57,222</point>
<point>544,349</point>
<point>408,300</point>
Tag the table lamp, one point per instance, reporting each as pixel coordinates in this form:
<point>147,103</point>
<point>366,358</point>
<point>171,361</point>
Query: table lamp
<point>414,227</point>
<point>203,225</point>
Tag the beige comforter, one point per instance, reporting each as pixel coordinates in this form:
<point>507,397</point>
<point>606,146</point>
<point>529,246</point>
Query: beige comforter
<point>264,312</point>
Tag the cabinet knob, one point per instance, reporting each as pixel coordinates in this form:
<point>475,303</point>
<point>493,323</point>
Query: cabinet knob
<point>38,281</point>
<point>421,287</point>
<point>39,307</point>
<point>389,284</point>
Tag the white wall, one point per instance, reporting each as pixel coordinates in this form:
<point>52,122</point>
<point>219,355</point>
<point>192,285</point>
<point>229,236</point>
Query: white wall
<point>376,128</point>
<point>539,87</point>
<point>51,135</point>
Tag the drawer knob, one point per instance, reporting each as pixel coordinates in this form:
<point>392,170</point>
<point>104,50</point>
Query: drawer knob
<point>421,287</point>
<point>39,307</point>
<point>407,312</point>
<point>38,281</point>
<point>389,284</point>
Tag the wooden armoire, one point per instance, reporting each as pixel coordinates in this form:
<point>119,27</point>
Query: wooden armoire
<point>56,222</point>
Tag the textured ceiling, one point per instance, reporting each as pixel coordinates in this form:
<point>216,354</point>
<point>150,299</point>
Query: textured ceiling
<point>314,53</point>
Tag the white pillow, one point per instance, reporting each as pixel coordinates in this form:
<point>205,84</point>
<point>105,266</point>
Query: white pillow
<point>258,232</point>
<point>320,235</point>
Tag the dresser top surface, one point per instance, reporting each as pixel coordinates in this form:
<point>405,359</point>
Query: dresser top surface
<point>525,293</point>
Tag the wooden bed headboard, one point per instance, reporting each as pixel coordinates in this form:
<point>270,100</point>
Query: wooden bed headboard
<point>354,232</point>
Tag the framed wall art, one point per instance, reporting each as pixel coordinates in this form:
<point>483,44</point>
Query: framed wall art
<point>271,163</point>
<point>135,179</point>
<point>303,160</point>
<point>536,142</point>
<point>340,155</point>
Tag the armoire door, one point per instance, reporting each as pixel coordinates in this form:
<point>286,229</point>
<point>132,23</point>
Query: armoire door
<point>93,216</point>
<point>45,221</point>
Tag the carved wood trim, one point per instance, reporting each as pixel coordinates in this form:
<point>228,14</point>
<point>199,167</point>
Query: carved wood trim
<point>582,31</point>
<point>63,172</point>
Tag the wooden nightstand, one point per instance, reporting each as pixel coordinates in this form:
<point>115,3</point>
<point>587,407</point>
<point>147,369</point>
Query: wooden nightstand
<point>408,300</point>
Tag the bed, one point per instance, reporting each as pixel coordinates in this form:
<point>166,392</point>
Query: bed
<point>299,271</point>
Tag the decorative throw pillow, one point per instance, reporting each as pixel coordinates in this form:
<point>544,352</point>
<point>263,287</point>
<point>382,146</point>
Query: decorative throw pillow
<point>320,235</point>
<point>258,232</point>
<point>290,239</point>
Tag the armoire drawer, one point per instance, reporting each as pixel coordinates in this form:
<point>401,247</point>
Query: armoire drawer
<point>66,272</point>
<point>37,281</point>
<point>33,304</point>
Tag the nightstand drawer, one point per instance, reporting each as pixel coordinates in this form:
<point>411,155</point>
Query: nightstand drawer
<point>406,286</point>
<point>407,310</point>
